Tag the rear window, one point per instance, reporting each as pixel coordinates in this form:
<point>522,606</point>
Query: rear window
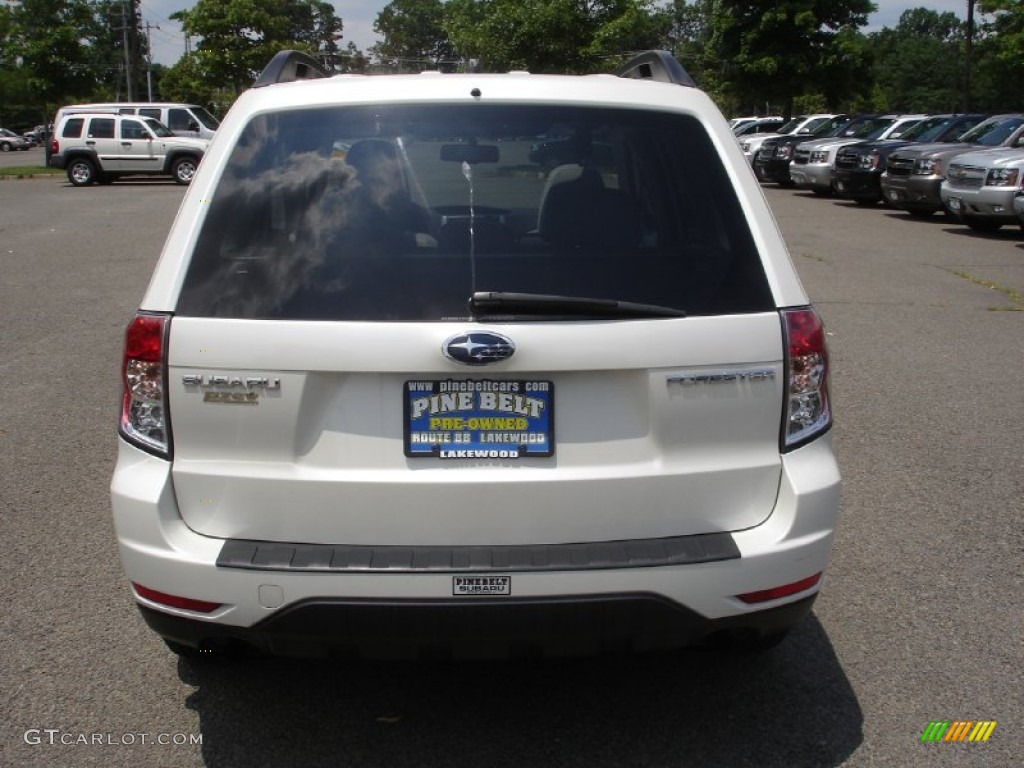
<point>101,128</point>
<point>403,213</point>
<point>73,128</point>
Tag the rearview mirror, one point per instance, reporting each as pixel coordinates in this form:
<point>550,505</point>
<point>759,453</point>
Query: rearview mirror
<point>469,153</point>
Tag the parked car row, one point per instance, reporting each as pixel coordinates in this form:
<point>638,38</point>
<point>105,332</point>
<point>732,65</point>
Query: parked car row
<point>970,166</point>
<point>10,141</point>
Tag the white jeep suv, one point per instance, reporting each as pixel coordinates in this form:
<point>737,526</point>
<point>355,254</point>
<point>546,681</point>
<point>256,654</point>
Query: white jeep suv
<point>99,147</point>
<point>394,388</point>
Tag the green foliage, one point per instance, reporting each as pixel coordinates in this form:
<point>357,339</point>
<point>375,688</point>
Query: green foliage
<point>239,37</point>
<point>919,64</point>
<point>187,82</point>
<point>549,36</point>
<point>118,27</point>
<point>750,56</point>
<point>1007,26</point>
<point>776,52</point>
<point>45,39</point>
<point>414,36</point>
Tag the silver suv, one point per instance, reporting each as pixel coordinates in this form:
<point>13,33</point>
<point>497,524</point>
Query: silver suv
<point>980,187</point>
<point>99,147</point>
<point>396,388</point>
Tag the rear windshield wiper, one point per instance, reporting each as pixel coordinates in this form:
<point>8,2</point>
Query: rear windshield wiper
<point>499,304</point>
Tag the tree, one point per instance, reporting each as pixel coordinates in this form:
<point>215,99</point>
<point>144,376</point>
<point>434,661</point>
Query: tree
<point>351,59</point>
<point>413,34</point>
<point>239,37</point>
<point>687,29</point>
<point>119,50</point>
<point>918,65</point>
<point>550,35</point>
<point>779,51</point>
<point>46,47</point>
<point>998,59</point>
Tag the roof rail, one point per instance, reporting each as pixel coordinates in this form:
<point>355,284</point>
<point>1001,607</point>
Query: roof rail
<point>287,66</point>
<point>656,65</point>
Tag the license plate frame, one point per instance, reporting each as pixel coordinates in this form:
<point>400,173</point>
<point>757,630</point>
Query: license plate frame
<point>478,419</point>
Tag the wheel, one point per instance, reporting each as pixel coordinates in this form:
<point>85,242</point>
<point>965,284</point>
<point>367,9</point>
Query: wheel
<point>81,172</point>
<point>981,225</point>
<point>183,169</point>
<point>6,147</point>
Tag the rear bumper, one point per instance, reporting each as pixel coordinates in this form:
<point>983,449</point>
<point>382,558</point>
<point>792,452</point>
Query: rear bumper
<point>659,602</point>
<point>485,627</point>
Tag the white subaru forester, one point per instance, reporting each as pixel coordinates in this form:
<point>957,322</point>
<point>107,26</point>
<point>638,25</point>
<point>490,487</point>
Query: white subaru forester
<point>474,364</point>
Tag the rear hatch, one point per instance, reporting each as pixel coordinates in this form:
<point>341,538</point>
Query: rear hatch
<point>429,325</point>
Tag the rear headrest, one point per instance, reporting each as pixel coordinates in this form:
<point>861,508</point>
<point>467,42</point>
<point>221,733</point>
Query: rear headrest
<point>582,213</point>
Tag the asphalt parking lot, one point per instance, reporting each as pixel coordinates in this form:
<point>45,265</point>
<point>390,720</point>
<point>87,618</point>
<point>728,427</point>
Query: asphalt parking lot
<point>920,619</point>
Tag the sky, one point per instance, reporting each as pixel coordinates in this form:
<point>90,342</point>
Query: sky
<point>358,16</point>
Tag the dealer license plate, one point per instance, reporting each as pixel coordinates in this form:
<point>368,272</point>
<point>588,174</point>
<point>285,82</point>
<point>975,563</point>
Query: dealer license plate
<point>479,418</point>
<point>481,585</point>
<point>955,204</point>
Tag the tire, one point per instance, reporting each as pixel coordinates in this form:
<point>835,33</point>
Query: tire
<point>982,225</point>
<point>183,169</point>
<point>6,147</point>
<point>81,172</point>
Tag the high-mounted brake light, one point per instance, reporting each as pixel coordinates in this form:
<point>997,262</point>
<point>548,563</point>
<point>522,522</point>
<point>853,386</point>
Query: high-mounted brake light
<point>144,401</point>
<point>808,413</point>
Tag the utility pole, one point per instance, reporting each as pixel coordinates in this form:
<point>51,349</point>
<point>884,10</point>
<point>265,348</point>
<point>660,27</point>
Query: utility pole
<point>969,55</point>
<point>149,59</point>
<point>127,52</point>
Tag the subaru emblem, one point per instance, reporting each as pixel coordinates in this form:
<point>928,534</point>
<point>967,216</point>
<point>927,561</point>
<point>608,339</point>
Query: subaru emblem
<point>478,348</point>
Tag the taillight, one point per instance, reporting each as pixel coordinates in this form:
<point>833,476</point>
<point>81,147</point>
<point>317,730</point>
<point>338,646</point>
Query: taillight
<point>54,147</point>
<point>807,403</point>
<point>144,402</point>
